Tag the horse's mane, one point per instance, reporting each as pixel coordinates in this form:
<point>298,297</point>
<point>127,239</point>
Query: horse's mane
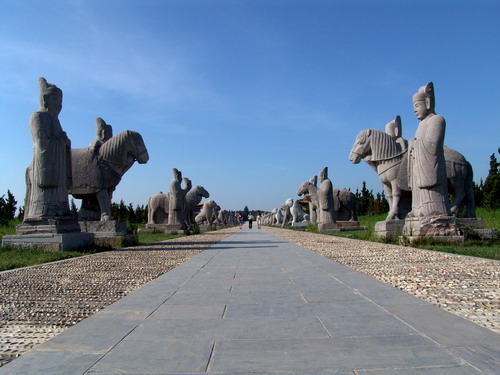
<point>383,145</point>
<point>113,147</point>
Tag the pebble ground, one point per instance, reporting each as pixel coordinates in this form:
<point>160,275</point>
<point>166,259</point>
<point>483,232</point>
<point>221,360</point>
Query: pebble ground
<point>465,286</point>
<point>37,303</point>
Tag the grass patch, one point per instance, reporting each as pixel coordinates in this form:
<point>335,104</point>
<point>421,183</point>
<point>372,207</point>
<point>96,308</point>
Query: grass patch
<point>11,258</point>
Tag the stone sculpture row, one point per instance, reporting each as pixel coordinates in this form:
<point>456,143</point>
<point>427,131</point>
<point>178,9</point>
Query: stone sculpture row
<point>175,211</point>
<point>329,208</point>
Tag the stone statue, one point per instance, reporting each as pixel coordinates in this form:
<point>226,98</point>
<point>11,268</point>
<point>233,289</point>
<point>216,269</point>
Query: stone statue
<point>49,174</point>
<point>193,197</point>
<point>296,211</point>
<point>104,132</point>
<point>346,210</point>
<point>287,215</point>
<point>310,191</point>
<point>98,169</point>
<point>207,213</point>
<point>395,131</point>
<point>158,208</point>
<point>177,201</point>
<point>326,202</point>
<point>426,162</point>
<point>384,156</point>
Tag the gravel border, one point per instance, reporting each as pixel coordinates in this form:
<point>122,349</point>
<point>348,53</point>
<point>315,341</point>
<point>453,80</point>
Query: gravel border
<point>465,286</point>
<point>39,302</point>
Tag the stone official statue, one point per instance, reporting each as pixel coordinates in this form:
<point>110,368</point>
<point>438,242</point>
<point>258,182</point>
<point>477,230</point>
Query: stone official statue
<point>177,200</point>
<point>326,212</point>
<point>104,132</point>
<point>49,175</point>
<point>426,164</point>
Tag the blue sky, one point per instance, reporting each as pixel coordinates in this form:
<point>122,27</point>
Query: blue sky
<point>248,98</point>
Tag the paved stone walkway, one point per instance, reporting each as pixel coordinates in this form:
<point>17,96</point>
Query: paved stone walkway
<point>257,304</point>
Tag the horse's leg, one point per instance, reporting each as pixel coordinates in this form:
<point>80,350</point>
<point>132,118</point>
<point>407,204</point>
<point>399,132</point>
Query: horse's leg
<point>393,208</point>
<point>104,203</point>
<point>458,197</point>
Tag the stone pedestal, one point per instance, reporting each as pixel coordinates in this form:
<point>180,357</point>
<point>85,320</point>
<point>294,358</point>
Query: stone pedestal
<point>350,225</point>
<point>444,228</point>
<point>476,225</point>
<point>153,228</point>
<point>389,228</point>
<point>175,229</point>
<point>300,224</point>
<point>111,233</point>
<point>53,234</point>
<point>330,227</point>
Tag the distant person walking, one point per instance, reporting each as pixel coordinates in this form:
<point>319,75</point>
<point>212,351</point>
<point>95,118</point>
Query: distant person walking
<point>250,220</point>
<point>259,221</point>
<point>240,221</point>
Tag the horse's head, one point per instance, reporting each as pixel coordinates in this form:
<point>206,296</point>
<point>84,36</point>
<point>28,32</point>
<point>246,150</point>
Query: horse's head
<point>361,148</point>
<point>200,190</point>
<point>304,188</point>
<point>137,147</point>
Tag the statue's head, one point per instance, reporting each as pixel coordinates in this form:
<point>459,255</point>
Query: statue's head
<point>394,129</point>
<point>323,174</point>
<point>423,101</point>
<point>103,131</point>
<point>177,175</point>
<point>50,96</point>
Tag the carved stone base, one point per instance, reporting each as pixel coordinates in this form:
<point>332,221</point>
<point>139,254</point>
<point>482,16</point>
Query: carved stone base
<point>153,228</point>
<point>300,224</point>
<point>476,225</point>
<point>63,224</point>
<point>330,227</point>
<point>111,233</point>
<point>389,228</point>
<point>175,229</point>
<point>50,241</point>
<point>108,228</point>
<point>350,225</point>
<point>439,227</point>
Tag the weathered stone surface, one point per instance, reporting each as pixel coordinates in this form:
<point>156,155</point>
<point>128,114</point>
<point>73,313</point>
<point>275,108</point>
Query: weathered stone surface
<point>49,241</point>
<point>389,228</point>
<point>98,170</point>
<point>49,174</point>
<point>40,302</point>
<point>465,286</point>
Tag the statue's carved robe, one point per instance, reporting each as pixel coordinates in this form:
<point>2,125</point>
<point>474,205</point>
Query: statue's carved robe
<point>427,169</point>
<point>326,203</point>
<point>50,172</point>
<point>177,201</point>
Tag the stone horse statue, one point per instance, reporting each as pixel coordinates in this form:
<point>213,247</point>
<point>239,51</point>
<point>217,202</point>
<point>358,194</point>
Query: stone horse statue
<point>96,175</point>
<point>158,208</point>
<point>346,205</point>
<point>193,197</point>
<point>310,191</point>
<point>385,156</point>
<point>207,213</point>
<point>296,211</point>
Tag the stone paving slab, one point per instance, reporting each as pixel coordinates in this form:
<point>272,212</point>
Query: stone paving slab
<point>257,304</point>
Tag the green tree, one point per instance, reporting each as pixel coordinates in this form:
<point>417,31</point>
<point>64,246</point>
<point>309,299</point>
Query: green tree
<point>364,201</point>
<point>7,208</point>
<point>491,187</point>
<point>245,213</point>
<point>478,193</point>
